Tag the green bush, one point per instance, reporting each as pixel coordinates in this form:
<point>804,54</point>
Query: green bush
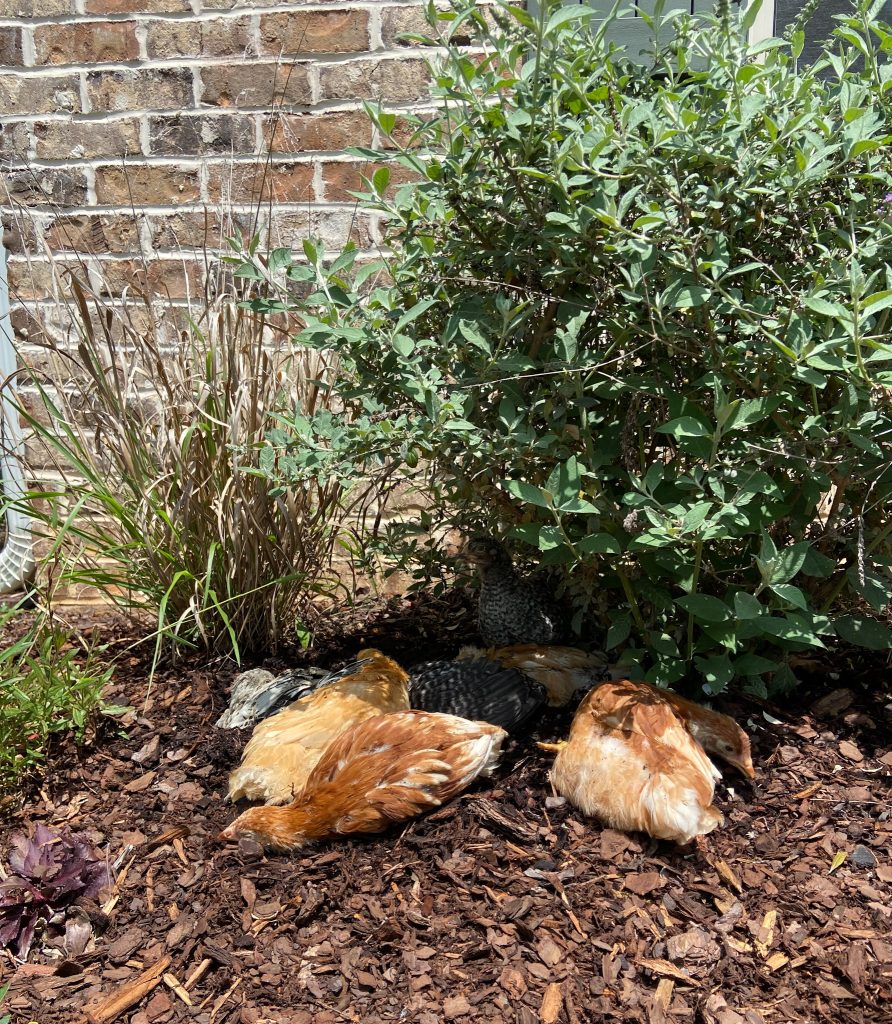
<point>638,321</point>
<point>50,682</point>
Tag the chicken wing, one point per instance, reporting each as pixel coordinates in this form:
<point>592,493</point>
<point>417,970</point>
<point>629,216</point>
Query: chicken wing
<point>383,770</point>
<point>563,671</point>
<point>479,689</point>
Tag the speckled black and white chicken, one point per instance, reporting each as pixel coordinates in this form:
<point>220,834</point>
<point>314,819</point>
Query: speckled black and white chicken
<point>511,609</point>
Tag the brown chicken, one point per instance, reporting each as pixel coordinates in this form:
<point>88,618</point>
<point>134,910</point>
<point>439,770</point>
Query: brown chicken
<point>383,770</point>
<point>563,671</point>
<point>716,733</point>
<point>284,748</point>
<point>632,762</point>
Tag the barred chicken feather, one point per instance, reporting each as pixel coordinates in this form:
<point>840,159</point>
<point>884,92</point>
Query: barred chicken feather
<point>478,689</point>
<point>284,748</point>
<point>381,771</point>
<point>563,671</point>
<point>631,762</point>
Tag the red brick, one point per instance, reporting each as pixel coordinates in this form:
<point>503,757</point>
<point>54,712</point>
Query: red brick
<point>19,234</point>
<point>47,186</point>
<point>256,182</point>
<point>295,32</point>
<point>37,8</point>
<point>323,132</point>
<point>342,178</point>
<point>397,20</point>
<point>396,80</point>
<point>94,234</point>
<point>137,6</point>
<point>199,230</point>
<point>411,19</point>
<point>131,89</point>
<point>404,132</point>
<point>33,94</point>
<point>255,85</point>
<point>333,227</point>
<point>222,37</point>
<point>73,138</point>
<point>15,139</point>
<point>27,328</point>
<point>86,42</point>
<point>11,47</point>
<point>33,278</point>
<point>172,279</point>
<point>142,185</point>
<point>193,134</point>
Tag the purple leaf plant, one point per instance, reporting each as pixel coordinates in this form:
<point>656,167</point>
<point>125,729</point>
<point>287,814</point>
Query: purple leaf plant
<point>45,873</point>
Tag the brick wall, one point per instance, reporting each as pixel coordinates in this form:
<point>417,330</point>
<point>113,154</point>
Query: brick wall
<point>135,132</point>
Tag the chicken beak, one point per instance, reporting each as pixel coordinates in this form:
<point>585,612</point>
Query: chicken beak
<point>228,834</point>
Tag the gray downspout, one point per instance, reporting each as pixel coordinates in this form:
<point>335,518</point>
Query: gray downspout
<point>17,562</point>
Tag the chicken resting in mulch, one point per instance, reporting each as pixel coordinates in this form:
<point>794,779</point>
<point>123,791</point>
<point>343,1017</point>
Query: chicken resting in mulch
<point>505,905</point>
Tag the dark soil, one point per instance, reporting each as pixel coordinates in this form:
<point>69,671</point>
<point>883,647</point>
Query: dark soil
<point>506,905</point>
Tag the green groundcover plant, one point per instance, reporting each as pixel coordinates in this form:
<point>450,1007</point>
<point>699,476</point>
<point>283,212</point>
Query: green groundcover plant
<point>636,318</point>
<point>51,683</point>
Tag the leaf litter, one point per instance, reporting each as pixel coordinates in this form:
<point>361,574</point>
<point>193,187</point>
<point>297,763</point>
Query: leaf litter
<point>505,905</point>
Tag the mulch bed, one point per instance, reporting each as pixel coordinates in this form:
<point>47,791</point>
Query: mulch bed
<point>506,905</point>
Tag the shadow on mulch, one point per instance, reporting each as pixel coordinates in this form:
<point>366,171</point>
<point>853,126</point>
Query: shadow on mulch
<point>505,905</point>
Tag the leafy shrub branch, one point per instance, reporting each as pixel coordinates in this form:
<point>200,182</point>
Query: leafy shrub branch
<point>638,319</point>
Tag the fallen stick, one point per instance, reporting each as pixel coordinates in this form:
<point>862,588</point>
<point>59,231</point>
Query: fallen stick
<point>171,981</point>
<point>197,974</point>
<point>110,1007</point>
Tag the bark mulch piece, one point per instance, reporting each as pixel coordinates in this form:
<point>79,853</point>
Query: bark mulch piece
<point>505,905</point>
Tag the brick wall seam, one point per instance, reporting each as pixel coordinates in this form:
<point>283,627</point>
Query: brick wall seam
<point>233,13</point>
<point>28,55</point>
<point>162,160</point>
<point>197,87</point>
<point>319,58</point>
<point>141,33</point>
<point>145,142</point>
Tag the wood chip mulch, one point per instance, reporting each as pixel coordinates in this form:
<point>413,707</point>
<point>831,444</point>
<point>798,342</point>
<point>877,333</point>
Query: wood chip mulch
<point>506,905</point>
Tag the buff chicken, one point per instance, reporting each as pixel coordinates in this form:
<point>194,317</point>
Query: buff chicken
<point>284,748</point>
<point>716,733</point>
<point>479,689</point>
<point>380,771</point>
<point>631,761</point>
<point>511,609</point>
<point>563,671</point>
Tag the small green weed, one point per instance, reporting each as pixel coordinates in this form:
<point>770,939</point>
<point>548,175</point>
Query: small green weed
<point>49,684</point>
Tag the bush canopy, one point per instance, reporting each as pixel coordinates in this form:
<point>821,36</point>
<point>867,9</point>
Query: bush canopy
<point>635,319</point>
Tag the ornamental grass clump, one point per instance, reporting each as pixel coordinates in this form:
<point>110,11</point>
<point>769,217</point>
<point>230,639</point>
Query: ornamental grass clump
<point>639,324</point>
<point>156,497</point>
